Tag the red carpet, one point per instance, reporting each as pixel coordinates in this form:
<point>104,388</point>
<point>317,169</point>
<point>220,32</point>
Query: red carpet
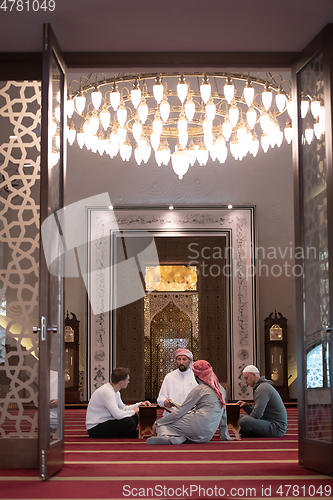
<point>118,469</point>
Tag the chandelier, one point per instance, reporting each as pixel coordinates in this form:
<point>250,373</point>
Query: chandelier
<point>183,118</point>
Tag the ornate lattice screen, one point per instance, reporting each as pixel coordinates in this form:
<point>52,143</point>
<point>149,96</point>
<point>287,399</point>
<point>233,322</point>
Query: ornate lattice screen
<point>19,256</point>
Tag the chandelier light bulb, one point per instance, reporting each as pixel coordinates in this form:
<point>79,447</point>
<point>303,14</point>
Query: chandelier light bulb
<point>138,155</point>
<point>53,128</point>
<point>121,114</point>
<point>182,139</point>
<point>94,123</point>
<point>157,124</point>
<point>254,146</point>
<point>209,140</point>
<point>304,108</point>
<point>317,129</point>
<point>202,155</point>
<point>125,150</point>
<point>136,94</point>
<point>105,118</point>
<point>213,151</point>
<point>164,109</point>
<point>182,88</point>
<point>235,148</point>
<point>115,97</point>
<point>315,108</point>
<point>205,89</point>
<point>101,144</point>
<point>180,162</point>
<point>86,126</point>
<point>158,90</point>
<point>182,123</point>
<point>248,92</point>
<point>80,137</point>
<point>309,133</point>
<point>264,121</point>
<point>220,141</point>
<point>96,98</point>
<point>265,142</point>
<point>166,153</point>
<point>143,110</point>
<point>137,129</point>
<point>159,155</point>
<point>122,134</point>
<point>266,97</point>
<point>146,151</point>
<point>279,138</point>
<point>189,108</point>
<point>93,143</point>
<point>281,101</point>
<point>210,109</point>
<point>57,113</point>
<point>70,107</point>
<point>229,90</point>
<point>71,134</point>
<point>242,132</point>
<point>290,108</point>
<point>233,115</point>
<point>288,132</point>
<point>251,117</point>
<point>227,129</point>
<point>207,126</point>
<point>222,153</point>
<point>192,154</point>
<point>80,103</point>
<point>155,141</point>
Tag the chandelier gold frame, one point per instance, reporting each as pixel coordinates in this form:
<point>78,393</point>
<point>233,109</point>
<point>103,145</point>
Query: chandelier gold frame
<point>225,107</point>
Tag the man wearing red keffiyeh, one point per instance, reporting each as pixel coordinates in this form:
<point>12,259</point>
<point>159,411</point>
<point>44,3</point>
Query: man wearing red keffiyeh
<point>199,417</point>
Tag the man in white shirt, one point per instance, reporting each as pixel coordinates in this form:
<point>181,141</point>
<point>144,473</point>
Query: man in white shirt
<point>107,416</point>
<point>179,383</point>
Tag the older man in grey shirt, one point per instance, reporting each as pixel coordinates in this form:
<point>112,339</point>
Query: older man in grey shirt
<point>267,417</point>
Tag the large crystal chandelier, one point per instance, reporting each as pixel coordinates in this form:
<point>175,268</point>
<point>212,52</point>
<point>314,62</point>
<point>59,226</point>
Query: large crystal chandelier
<point>183,118</point>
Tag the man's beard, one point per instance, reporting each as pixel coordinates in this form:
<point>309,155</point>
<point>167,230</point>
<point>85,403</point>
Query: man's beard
<point>182,368</point>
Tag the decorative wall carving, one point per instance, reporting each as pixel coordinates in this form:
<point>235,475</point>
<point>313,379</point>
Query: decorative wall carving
<point>238,225</point>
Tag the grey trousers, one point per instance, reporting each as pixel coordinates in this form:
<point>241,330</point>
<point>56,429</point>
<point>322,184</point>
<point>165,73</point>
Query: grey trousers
<point>260,427</point>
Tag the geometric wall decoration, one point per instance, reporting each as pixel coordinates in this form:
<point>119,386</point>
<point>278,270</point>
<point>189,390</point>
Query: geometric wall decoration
<point>20,112</point>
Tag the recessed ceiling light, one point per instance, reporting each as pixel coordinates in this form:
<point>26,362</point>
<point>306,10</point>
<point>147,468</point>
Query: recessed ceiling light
<point>229,206</point>
<point>111,207</point>
<point>13,137</point>
<point>170,207</point>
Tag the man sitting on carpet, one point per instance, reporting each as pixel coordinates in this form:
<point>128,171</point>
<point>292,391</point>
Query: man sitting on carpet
<point>178,383</point>
<point>107,416</point>
<point>199,417</point>
<point>267,417</point>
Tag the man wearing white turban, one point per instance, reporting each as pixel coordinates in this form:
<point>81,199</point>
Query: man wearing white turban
<point>178,383</point>
<point>267,417</point>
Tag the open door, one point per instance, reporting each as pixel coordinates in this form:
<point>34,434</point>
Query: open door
<point>51,340</point>
<point>312,88</point>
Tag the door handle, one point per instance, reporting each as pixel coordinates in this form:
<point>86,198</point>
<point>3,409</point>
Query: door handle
<point>43,329</point>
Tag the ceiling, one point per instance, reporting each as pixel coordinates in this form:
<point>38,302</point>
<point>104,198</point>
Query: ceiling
<point>213,25</point>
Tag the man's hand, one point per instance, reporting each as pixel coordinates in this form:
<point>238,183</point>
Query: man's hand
<point>53,403</point>
<point>136,409</point>
<point>241,403</point>
<point>168,403</point>
<point>145,403</point>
